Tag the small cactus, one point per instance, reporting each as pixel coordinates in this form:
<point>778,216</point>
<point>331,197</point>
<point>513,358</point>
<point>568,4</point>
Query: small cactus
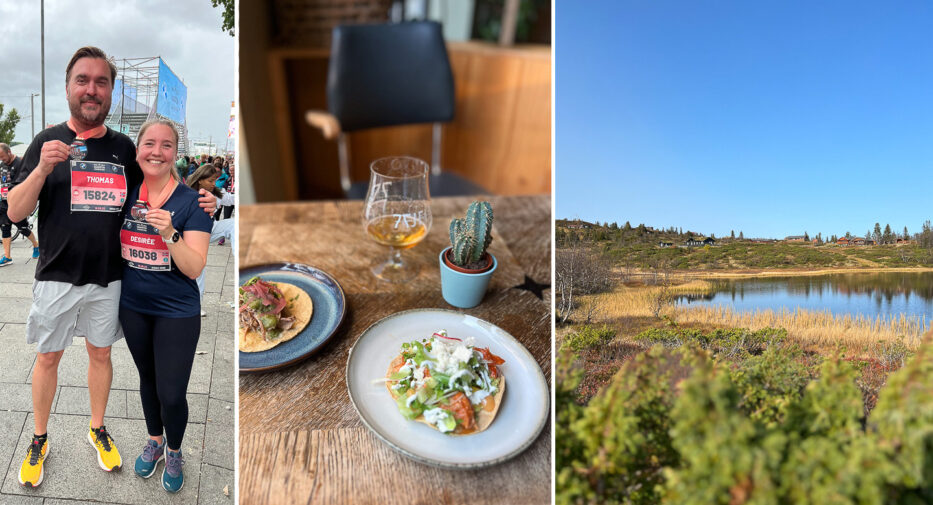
<point>471,235</point>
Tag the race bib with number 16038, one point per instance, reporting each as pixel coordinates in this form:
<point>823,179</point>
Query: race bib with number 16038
<point>143,248</point>
<point>97,186</point>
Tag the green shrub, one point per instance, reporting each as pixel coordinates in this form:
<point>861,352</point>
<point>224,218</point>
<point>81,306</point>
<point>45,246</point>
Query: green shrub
<point>682,427</point>
<point>588,337</point>
<point>731,341</point>
<point>622,437</point>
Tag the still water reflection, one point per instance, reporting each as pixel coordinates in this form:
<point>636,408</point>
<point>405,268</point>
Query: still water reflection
<point>869,294</point>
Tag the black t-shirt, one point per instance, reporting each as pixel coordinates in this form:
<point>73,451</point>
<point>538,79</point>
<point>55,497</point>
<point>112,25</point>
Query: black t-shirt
<point>152,287</point>
<point>81,207</point>
<point>8,174</point>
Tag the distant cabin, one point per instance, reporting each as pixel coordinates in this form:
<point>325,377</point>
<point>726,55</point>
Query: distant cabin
<point>578,225</point>
<point>794,238</point>
<point>842,241</point>
<point>902,241</point>
<point>858,241</point>
<point>696,242</point>
<point>665,244</point>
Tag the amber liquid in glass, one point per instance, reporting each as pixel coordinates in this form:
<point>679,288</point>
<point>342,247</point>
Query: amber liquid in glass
<point>398,231</point>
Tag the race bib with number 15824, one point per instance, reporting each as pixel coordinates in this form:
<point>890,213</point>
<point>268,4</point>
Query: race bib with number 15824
<point>97,186</point>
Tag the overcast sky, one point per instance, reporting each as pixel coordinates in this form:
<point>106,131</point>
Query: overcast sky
<point>185,33</point>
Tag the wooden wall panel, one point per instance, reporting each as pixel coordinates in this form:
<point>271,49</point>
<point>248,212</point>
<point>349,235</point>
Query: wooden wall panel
<point>501,137</point>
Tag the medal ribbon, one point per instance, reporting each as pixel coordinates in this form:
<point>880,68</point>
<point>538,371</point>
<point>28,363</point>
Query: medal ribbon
<point>163,196</point>
<point>87,134</point>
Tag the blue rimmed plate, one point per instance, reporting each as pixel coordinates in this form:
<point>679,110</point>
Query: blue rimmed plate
<point>525,405</point>
<point>330,306</point>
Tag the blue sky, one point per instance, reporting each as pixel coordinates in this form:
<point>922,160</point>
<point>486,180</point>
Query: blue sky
<point>770,117</point>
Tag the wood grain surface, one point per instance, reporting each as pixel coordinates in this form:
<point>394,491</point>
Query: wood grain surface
<point>301,440</point>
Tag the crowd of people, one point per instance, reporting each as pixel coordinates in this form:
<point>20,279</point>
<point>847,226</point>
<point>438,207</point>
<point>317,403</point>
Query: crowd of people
<point>124,234</point>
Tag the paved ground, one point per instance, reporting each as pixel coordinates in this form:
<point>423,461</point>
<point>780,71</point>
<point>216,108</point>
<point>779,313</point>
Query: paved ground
<point>72,476</point>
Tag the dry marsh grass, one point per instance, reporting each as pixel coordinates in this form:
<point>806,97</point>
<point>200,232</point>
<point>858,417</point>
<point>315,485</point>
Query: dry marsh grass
<point>819,328</point>
<point>810,328</point>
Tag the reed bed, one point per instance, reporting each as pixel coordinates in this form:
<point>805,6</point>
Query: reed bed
<point>628,301</point>
<point>820,328</point>
<point>817,327</point>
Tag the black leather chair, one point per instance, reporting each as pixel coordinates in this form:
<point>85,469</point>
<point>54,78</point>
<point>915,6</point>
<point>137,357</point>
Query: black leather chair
<point>386,75</point>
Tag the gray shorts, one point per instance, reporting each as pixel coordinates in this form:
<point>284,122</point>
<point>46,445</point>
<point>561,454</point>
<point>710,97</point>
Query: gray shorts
<point>61,311</point>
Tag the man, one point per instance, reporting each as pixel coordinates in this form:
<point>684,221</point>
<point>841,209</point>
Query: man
<point>79,173</point>
<point>9,168</point>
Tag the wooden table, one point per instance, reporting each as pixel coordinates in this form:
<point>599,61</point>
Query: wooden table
<point>301,440</point>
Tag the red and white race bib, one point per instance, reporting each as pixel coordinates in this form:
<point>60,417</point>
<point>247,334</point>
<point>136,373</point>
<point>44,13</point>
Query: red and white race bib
<point>97,186</point>
<point>143,248</point>
<point>4,191</point>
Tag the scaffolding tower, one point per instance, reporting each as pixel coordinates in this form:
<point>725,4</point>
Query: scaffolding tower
<point>136,101</point>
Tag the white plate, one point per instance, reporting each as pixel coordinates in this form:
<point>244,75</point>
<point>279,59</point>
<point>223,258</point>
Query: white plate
<point>522,414</point>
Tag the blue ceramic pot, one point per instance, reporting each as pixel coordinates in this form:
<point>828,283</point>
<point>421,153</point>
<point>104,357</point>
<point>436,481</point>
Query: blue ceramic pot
<point>464,290</point>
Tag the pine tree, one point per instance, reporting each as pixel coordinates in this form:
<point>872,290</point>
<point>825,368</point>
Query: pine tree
<point>877,234</point>
<point>741,235</point>
<point>887,237</point>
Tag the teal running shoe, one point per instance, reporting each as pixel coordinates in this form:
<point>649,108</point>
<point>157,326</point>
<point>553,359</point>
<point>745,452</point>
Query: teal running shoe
<point>172,477</point>
<point>147,462</point>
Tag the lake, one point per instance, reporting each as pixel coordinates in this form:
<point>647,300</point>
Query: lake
<point>869,294</point>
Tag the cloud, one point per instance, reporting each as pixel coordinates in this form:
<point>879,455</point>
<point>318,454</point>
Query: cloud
<point>185,33</point>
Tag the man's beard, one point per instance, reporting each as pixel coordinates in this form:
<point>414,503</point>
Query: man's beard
<point>89,118</point>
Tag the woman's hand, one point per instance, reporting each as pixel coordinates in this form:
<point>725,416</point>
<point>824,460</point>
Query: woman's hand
<point>162,221</point>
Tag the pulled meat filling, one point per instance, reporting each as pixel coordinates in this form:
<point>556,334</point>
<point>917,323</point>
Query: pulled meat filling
<point>261,306</point>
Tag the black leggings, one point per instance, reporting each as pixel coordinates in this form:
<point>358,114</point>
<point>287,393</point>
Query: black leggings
<point>226,210</point>
<point>6,227</point>
<point>163,349</point>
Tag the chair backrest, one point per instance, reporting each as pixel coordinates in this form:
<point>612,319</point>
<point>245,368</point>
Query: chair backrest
<point>389,74</point>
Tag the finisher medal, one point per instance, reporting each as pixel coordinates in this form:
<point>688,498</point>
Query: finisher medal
<point>139,210</point>
<point>77,149</point>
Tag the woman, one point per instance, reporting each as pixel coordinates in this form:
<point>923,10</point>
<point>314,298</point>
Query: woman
<point>164,242</point>
<point>206,178</point>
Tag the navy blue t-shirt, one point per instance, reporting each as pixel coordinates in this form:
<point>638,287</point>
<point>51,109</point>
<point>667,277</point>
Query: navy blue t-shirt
<point>152,289</point>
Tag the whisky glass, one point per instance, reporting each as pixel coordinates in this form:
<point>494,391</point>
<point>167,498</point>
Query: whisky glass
<point>397,212</point>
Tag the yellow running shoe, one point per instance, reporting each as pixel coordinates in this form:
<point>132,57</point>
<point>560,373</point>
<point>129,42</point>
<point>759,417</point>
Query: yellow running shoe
<point>32,471</point>
<point>108,457</point>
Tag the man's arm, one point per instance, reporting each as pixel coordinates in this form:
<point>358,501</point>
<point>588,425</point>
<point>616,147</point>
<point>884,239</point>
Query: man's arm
<point>22,198</point>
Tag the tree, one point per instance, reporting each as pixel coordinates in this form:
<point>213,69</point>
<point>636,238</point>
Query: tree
<point>578,272</point>
<point>229,16</point>
<point>887,237</point>
<point>8,125</point>
<point>925,237</point>
<point>806,238</point>
<point>906,235</point>
<point>741,235</point>
<point>732,235</point>
<point>877,234</point>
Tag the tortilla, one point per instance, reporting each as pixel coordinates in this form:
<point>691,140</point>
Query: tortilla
<point>299,305</point>
<point>483,419</point>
